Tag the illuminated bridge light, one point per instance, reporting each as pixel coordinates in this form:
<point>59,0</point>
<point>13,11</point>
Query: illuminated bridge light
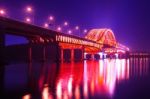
<point>104,37</point>
<point>59,28</point>
<point>2,12</point>
<point>69,32</point>
<point>66,39</point>
<point>77,27</point>
<point>28,20</point>
<point>51,18</point>
<point>65,23</point>
<point>46,25</point>
<point>29,9</point>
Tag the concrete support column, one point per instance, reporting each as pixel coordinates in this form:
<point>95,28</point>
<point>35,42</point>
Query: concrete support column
<point>100,55</point>
<point>92,57</point>
<point>84,55</point>
<point>2,61</point>
<point>105,55</point>
<point>62,55</point>
<point>44,53</point>
<point>58,53</point>
<point>30,51</point>
<point>72,54</point>
<point>2,46</point>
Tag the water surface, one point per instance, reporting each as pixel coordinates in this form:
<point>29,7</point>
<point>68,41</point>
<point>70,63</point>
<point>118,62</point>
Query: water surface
<point>97,79</point>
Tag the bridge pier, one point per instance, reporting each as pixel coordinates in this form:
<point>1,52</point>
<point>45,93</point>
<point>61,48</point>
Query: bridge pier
<point>2,61</point>
<point>92,56</point>
<point>62,55</point>
<point>2,46</point>
<point>44,53</point>
<point>82,58</point>
<point>84,55</point>
<point>100,55</point>
<point>72,54</point>
<point>30,51</point>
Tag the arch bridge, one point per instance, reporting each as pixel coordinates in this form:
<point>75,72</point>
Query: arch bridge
<point>95,41</point>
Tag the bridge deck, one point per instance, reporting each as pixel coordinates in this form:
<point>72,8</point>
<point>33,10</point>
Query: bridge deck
<point>29,31</point>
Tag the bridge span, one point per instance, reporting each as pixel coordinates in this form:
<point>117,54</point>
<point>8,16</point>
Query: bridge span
<point>97,40</point>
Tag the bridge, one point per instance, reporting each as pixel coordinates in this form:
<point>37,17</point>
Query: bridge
<point>97,40</point>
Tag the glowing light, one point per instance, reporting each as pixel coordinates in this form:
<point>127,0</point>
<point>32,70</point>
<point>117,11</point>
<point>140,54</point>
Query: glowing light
<point>100,54</point>
<point>77,92</point>
<point>65,95</point>
<point>105,55</point>
<point>29,9</point>
<point>70,87</point>
<point>59,28</point>
<point>104,36</point>
<point>85,87</point>
<point>85,30</point>
<point>65,23</point>
<point>45,93</point>
<point>122,51</point>
<point>28,96</point>
<point>116,55</point>
<point>2,12</point>
<point>46,25</point>
<point>85,55</point>
<point>28,20</point>
<point>77,27</point>
<point>51,18</point>
<point>101,68</point>
<point>59,90</point>
<point>69,32</point>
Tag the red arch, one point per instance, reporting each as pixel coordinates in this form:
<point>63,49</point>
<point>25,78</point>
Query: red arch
<point>103,36</point>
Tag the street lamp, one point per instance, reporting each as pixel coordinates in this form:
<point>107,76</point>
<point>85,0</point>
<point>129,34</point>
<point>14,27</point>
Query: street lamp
<point>77,27</point>
<point>51,22</point>
<point>69,32</point>
<point>51,18</point>
<point>46,25</point>
<point>28,20</point>
<point>59,28</point>
<point>29,9</point>
<point>85,30</point>
<point>77,30</point>
<point>65,23</point>
<point>2,12</point>
<point>29,13</point>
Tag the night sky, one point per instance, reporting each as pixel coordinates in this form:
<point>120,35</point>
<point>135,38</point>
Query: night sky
<point>129,19</point>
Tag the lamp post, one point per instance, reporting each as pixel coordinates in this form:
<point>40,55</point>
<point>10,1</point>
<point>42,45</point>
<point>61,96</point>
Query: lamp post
<point>65,26</point>
<point>77,28</point>
<point>29,9</point>
<point>66,23</point>
<point>46,25</point>
<point>85,31</point>
<point>51,22</point>
<point>2,12</point>
<point>59,28</point>
<point>69,32</point>
<point>30,14</point>
<point>28,20</point>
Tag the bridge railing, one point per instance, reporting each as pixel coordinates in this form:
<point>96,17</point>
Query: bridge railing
<point>76,40</point>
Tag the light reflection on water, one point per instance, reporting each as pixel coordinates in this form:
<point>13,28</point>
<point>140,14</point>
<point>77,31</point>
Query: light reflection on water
<point>87,79</point>
<point>94,77</point>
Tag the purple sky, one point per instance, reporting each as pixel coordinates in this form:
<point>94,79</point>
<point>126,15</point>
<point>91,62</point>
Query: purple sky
<point>129,19</point>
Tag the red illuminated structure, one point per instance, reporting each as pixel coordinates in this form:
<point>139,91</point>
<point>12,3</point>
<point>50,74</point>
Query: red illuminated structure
<point>106,38</point>
<point>96,40</point>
